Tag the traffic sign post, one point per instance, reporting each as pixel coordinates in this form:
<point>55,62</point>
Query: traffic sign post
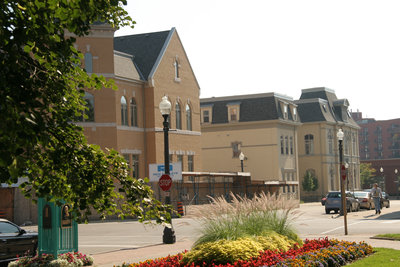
<point>343,172</point>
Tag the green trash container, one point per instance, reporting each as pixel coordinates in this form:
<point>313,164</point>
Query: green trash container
<point>58,233</point>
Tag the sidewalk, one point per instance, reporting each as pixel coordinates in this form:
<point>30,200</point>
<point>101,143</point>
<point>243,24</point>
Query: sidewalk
<point>162,250</point>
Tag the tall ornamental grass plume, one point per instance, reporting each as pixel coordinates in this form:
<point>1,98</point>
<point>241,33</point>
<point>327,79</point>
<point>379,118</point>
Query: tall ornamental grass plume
<point>243,217</point>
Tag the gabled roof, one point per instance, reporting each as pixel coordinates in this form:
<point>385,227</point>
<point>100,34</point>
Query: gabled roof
<point>147,49</point>
<point>257,107</point>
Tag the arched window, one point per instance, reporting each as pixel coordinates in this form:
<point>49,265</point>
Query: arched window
<point>188,117</point>
<point>124,111</point>
<point>178,116</point>
<point>133,109</point>
<point>88,113</point>
<point>88,62</point>
<point>309,144</point>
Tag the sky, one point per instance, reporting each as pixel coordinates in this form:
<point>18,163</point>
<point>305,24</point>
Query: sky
<point>283,46</point>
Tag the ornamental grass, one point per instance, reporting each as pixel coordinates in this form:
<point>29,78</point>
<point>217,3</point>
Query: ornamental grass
<point>244,217</point>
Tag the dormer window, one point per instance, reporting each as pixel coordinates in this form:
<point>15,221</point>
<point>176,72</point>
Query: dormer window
<point>206,114</point>
<point>294,113</point>
<point>285,111</point>
<point>233,112</point>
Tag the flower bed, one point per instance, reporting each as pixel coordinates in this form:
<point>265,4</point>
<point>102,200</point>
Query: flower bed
<point>317,252</point>
<point>70,259</point>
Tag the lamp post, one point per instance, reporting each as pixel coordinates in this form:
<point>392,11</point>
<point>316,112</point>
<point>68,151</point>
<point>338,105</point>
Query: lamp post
<point>383,179</point>
<point>343,210</point>
<point>165,109</point>
<point>241,157</point>
<point>396,182</point>
<point>346,165</point>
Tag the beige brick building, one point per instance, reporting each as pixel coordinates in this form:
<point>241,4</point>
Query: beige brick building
<point>145,67</point>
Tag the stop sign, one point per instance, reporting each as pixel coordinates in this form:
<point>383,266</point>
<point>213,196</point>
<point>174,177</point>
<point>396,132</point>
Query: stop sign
<point>343,172</point>
<point>165,182</point>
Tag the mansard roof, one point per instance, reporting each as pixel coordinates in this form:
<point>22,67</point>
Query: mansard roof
<point>257,107</point>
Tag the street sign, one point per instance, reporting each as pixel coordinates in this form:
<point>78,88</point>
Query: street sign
<point>343,172</point>
<point>165,182</point>
<point>156,170</point>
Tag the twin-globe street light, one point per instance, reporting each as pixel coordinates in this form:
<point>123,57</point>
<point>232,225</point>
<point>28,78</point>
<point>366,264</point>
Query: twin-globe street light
<point>343,210</point>
<point>241,157</point>
<point>165,109</point>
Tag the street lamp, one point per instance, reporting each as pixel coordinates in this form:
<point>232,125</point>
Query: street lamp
<point>343,210</point>
<point>397,182</point>
<point>241,157</point>
<point>165,109</point>
<point>383,179</point>
<point>346,165</point>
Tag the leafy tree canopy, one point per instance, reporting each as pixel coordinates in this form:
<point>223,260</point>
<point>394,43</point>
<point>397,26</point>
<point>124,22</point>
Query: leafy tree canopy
<point>367,175</point>
<point>39,76</point>
<point>310,182</point>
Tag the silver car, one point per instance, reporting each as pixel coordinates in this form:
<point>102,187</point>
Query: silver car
<point>365,199</point>
<point>334,202</point>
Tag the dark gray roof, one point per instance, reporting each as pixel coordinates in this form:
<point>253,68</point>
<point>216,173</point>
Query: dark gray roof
<point>252,108</point>
<point>322,104</point>
<point>145,48</point>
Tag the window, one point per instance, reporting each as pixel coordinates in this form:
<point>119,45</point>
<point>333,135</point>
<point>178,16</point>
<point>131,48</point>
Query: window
<point>124,111</point>
<point>180,159</point>
<point>188,118</point>
<point>206,116</point>
<point>282,145</point>
<point>233,114</point>
<point>285,111</point>
<point>135,166</point>
<point>88,62</point>
<point>176,66</point>
<point>88,114</point>
<point>295,114</point>
<point>309,144</point>
<point>330,142</point>
<point>287,145</point>
<point>236,149</point>
<point>190,163</point>
<point>291,145</point>
<point>133,109</point>
<point>178,116</point>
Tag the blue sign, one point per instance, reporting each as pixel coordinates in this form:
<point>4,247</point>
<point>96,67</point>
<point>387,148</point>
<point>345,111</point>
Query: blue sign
<point>161,168</point>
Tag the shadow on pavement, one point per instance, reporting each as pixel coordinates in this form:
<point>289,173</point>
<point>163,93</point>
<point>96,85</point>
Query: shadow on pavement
<point>385,215</point>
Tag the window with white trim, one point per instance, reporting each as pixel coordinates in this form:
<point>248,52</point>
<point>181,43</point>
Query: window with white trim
<point>124,111</point>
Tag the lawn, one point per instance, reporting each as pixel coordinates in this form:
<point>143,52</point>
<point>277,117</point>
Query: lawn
<point>382,257</point>
<point>391,236</point>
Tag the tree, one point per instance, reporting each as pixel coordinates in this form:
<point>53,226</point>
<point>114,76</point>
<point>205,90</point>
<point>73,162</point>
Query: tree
<point>310,182</point>
<point>39,76</point>
<point>367,175</point>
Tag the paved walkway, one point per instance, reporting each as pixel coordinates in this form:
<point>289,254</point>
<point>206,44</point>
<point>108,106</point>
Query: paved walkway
<point>161,250</point>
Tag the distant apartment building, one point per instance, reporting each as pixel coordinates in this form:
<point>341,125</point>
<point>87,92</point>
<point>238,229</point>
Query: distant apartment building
<point>380,146</point>
<point>282,139</point>
<point>263,127</point>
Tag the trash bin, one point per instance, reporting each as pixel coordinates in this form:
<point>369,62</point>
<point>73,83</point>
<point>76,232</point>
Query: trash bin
<point>58,233</point>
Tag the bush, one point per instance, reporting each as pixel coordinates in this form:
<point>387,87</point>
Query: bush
<point>70,259</point>
<point>230,251</point>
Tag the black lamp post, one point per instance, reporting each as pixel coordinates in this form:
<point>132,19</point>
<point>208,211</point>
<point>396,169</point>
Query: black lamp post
<point>383,179</point>
<point>343,210</point>
<point>165,109</point>
<point>241,157</point>
<point>396,182</point>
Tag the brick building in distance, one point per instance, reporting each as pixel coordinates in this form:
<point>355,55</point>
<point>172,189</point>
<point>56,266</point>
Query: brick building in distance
<point>380,146</point>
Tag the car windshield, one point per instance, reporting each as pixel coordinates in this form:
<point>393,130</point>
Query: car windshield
<point>361,194</point>
<point>334,195</point>
<point>7,228</point>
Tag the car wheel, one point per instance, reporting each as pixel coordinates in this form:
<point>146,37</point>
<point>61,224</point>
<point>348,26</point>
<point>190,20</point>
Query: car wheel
<point>336,211</point>
<point>388,205</point>
<point>327,211</point>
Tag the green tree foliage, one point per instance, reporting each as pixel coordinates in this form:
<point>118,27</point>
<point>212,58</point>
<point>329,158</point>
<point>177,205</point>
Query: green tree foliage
<point>310,182</point>
<point>39,76</point>
<point>367,175</point>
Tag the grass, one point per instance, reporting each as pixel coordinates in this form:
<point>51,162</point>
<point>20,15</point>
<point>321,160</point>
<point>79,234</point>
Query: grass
<point>382,257</point>
<point>391,236</point>
<point>244,217</point>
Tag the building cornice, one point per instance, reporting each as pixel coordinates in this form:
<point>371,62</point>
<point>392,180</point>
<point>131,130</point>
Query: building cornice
<point>241,97</point>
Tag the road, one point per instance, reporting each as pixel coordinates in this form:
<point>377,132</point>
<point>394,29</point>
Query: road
<point>311,220</point>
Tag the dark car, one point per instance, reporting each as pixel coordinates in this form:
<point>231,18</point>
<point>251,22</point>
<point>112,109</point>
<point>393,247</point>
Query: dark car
<point>385,202</point>
<point>334,202</point>
<point>15,241</point>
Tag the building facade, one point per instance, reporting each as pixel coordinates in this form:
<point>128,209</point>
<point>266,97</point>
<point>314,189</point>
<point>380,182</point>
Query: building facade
<point>322,115</point>
<point>380,146</point>
<point>263,127</point>
<point>145,67</point>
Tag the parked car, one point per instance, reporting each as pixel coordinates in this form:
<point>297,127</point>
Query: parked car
<point>15,241</point>
<point>385,202</point>
<point>365,199</point>
<point>334,202</point>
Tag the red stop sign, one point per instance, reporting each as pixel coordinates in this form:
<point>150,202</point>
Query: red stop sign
<point>165,182</point>
<point>343,172</point>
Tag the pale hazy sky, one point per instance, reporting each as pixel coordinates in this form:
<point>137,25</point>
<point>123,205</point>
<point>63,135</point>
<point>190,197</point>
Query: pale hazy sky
<point>259,46</point>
